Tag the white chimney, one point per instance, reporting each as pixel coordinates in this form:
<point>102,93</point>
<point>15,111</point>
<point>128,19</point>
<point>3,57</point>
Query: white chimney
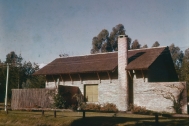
<point>122,73</point>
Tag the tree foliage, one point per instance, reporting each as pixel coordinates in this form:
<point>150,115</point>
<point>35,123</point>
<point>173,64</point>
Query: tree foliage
<point>145,46</point>
<point>135,45</point>
<point>184,69</point>
<point>59,101</point>
<point>105,42</point>
<point>177,56</point>
<point>156,44</point>
<point>14,59</point>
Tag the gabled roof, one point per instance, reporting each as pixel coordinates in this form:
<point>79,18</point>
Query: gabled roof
<point>143,58</point>
<point>138,59</point>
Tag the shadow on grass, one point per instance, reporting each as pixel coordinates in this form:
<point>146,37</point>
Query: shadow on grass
<point>125,121</point>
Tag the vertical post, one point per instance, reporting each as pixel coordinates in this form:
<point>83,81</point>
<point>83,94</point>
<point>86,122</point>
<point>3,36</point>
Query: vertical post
<point>6,87</point>
<point>18,77</point>
<point>54,113</point>
<point>57,87</point>
<point>42,112</point>
<point>156,118</point>
<point>83,114</point>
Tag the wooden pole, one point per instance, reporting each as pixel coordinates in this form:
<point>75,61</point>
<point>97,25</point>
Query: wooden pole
<point>42,112</point>
<point>54,113</point>
<point>83,114</point>
<point>156,118</point>
<point>6,87</point>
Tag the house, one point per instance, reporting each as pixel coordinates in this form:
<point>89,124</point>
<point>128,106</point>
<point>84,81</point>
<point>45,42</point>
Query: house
<point>145,77</point>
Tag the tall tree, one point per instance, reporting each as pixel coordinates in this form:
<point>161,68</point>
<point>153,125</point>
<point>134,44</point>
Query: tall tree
<point>187,54</point>
<point>2,82</point>
<point>14,70</point>
<point>184,72</point>
<point>14,59</point>
<point>99,40</point>
<point>185,67</point>
<point>105,42</point>
<point>117,30</point>
<point>135,44</point>
<point>177,56</point>
<point>156,44</point>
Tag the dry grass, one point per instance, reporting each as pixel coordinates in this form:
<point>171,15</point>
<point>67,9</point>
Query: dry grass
<point>28,118</point>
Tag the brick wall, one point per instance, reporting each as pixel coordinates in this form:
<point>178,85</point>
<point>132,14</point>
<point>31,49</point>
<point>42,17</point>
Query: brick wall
<point>145,94</point>
<point>108,89</point>
<point>122,73</point>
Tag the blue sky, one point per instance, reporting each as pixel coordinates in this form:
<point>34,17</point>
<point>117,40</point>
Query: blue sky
<point>42,29</point>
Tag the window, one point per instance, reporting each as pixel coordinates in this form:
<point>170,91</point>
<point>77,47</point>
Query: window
<point>91,93</point>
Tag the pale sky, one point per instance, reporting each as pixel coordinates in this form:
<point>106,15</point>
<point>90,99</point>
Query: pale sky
<point>42,29</point>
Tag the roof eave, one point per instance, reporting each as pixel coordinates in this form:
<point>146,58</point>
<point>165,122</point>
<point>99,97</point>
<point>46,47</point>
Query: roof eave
<point>112,70</point>
<point>136,69</point>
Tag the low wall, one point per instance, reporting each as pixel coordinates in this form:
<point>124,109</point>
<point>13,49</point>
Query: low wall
<point>31,98</point>
<point>160,96</point>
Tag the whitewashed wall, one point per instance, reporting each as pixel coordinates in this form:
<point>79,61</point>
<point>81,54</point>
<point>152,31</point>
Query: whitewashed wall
<point>108,91</point>
<point>154,96</point>
<point>149,95</point>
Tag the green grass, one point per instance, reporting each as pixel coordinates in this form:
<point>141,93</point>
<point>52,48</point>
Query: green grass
<point>28,118</point>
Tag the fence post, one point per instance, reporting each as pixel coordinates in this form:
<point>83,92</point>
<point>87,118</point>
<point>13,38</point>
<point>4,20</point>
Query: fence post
<point>156,118</point>
<point>54,113</point>
<point>83,114</point>
<point>42,112</point>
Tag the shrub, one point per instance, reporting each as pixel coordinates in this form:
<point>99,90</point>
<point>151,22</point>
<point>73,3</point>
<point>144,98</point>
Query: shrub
<point>109,107</point>
<point>139,109</point>
<point>90,107</point>
<point>59,101</point>
<point>79,99</point>
<point>96,107</point>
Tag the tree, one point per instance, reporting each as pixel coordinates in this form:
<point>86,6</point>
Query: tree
<point>177,56</point>
<point>184,70</point>
<point>135,44</point>
<point>14,59</point>
<point>156,44</point>
<point>30,81</point>
<point>185,67</point>
<point>145,46</point>
<point>187,54</point>
<point>99,40</point>
<point>14,70</point>
<point>105,42</point>
<point>2,82</point>
<point>117,30</point>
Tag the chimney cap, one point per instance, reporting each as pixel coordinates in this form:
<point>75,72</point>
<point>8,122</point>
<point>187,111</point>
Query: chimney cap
<point>122,36</point>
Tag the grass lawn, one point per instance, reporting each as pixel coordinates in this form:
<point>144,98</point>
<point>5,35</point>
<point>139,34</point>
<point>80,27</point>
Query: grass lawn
<point>25,118</point>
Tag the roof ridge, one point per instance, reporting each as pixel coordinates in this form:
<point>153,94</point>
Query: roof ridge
<point>147,48</point>
<point>110,52</point>
<point>88,55</point>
